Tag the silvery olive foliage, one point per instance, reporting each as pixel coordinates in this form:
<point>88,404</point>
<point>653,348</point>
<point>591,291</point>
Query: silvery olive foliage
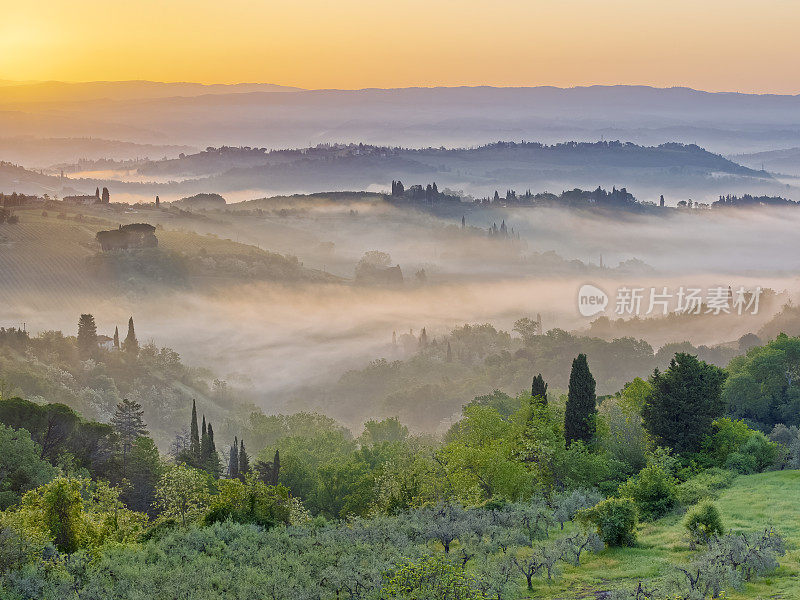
<point>473,553</point>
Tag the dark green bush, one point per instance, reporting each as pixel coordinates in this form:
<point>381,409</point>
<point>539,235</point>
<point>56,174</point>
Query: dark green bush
<point>741,463</point>
<point>653,490</point>
<point>703,522</point>
<point>615,519</point>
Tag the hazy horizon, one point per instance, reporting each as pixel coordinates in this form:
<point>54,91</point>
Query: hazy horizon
<point>355,44</point>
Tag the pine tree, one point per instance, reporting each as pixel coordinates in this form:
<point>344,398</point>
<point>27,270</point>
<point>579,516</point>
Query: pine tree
<point>244,461</point>
<point>116,338</point>
<point>194,438</point>
<point>683,403</point>
<point>131,344</point>
<point>539,388</point>
<point>87,336</point>
<point>128,421</point>
<point>581,408</point>
<point>233,460</point>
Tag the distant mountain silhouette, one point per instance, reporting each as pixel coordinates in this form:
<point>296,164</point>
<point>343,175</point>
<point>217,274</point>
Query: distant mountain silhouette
<point>61,91</point>
<point>676,170</point>
<point>261,115</point>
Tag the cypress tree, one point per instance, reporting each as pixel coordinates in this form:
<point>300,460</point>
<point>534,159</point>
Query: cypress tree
<point>131,344</point>
<point>539,388</point>
<point>116,338</point>
<point>449,357</point>
<point>581,408</point>
<point>233,460</point>
<point>212,464</point>
<point>194,437</point>
<point>268,471</point>
<point>276,467</point>
<point>87,336</point>
<point>244,461</point>
<point>205,446</point>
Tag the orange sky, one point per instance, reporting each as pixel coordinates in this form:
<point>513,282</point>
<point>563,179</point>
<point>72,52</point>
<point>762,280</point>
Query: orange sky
<point>736,45</point>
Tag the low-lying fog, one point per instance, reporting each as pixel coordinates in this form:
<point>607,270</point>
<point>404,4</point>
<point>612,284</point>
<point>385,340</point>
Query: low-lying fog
<point>282,336</point>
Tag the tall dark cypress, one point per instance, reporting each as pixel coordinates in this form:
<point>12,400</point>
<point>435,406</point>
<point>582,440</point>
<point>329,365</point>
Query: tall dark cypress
<point>212,463</point>
<point>244,461</point>
<point>233,460</point>
<point>194,437</point>
<point>205,446</point>
<point>87,336</point>
<point>131,344</point>
<point>581,407</point>
<point>276,467</point>
<point>539,388</point>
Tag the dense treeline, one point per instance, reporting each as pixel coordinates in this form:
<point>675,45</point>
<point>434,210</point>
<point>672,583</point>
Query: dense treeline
<point>424,381</point>
<point>93,373</point>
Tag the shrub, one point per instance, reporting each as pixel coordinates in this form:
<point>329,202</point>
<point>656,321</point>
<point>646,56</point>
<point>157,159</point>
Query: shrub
<point>653,490</point>
<point>704,485</point>
<point>739,448</point>
<point>741,463</point>
<point>251,501</point>
<point>703,522</point>
<point>615,519</point>
<point>764,452</point>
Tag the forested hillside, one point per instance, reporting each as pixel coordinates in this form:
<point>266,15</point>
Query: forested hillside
<point>424,379</point>
<point>525,496</point>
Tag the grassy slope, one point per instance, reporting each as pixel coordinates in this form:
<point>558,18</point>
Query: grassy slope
<point>750,504</point>
<point>44,257</point>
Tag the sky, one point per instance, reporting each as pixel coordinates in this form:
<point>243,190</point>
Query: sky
<point>715,45</point>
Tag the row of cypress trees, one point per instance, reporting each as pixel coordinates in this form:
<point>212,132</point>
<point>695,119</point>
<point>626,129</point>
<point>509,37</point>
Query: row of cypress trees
<point>202,450</point>
<point>581,409</point>
<point>201,453</point>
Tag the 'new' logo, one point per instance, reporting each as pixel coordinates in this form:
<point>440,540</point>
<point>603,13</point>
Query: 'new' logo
<point>591,300</point>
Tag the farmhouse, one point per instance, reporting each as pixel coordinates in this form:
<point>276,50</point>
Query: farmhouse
<point>135,235</point>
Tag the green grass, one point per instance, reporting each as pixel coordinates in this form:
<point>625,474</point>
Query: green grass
<point>752,502</point>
